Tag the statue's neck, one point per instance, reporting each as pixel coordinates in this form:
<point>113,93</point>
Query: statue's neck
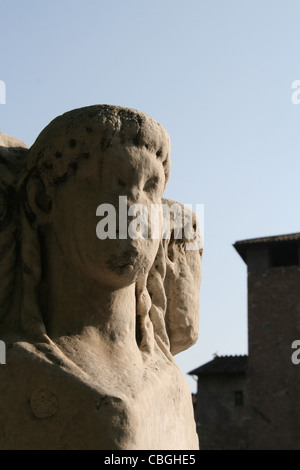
<point>79,307</point>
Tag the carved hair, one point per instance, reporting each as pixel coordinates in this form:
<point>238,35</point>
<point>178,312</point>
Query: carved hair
<point>173,284</point>
<point>83,133</point>
<point>12,160</point>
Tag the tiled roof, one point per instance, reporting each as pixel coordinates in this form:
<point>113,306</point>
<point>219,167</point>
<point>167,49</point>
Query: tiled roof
<point>273,239</point>
<point>242,245</point>
<point>223,365</point>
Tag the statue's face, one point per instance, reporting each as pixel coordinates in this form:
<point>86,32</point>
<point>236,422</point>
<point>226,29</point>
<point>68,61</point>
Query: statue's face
<point>121,171</point>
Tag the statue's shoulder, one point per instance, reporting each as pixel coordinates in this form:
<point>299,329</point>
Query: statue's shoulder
<point>58,406</point>
<point>34,362</point>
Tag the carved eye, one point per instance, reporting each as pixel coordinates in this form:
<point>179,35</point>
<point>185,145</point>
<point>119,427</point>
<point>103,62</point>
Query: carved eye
<point>151,184</point>
<point>3,205</point>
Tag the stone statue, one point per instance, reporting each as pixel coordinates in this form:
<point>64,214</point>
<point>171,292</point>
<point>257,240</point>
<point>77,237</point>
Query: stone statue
<point>90,325</point>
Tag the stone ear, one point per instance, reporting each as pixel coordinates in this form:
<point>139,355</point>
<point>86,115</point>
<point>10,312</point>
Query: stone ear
<point>39,201</point>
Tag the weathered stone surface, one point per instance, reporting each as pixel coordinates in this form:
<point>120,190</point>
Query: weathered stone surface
<point>91,326</point>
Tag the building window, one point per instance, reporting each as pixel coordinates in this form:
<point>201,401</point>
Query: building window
<point>239,398</point>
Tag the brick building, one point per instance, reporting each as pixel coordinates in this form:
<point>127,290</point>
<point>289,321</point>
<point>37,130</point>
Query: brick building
<point>253,402</point>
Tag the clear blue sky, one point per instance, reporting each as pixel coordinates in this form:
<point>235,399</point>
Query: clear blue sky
<point>217,74</point>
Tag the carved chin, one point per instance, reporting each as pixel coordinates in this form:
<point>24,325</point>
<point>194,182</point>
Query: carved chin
<point>130,264</point>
